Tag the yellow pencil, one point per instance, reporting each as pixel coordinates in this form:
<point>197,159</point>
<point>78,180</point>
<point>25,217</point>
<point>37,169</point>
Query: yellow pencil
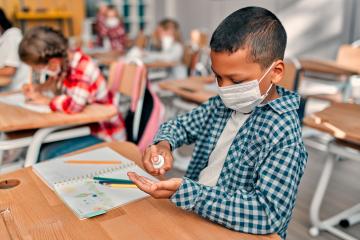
<point>92,162</point>
<point>121,185</point>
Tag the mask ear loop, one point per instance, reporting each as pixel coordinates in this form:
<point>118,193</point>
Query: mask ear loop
<point>267,71</point>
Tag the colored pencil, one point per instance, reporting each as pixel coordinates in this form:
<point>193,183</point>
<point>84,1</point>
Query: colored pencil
<point>113,180</point>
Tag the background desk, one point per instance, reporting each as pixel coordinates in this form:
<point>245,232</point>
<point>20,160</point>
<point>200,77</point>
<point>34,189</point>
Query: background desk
<point>192,89</point>
<point>340,120</point>
<point>344,116</point>
<point>4,81</point>
<point>39,214</point>
<point>13,118</point>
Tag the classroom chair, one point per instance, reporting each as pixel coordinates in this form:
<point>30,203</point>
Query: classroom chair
<point>146,112</point>
<point>341,70</point>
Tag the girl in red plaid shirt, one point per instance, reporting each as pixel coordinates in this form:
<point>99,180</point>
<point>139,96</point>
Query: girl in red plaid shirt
<point>109,26</point>
<point>73,82</point>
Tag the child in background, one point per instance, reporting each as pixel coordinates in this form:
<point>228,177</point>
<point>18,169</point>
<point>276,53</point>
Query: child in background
<point>11,68</point>
<point>110,27</point>
<point>165,46</point>
<point>75,82</point>
<point>249,155</point>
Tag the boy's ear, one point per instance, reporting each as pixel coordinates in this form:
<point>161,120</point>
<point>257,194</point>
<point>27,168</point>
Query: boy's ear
<point>278,71</point>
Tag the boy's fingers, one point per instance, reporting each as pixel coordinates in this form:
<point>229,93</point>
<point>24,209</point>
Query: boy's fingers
<point>154,153</point>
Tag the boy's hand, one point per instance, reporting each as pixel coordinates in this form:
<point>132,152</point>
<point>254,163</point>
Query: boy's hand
<point>151,154</point>
<point>161,189</point>
<point>33,94</point>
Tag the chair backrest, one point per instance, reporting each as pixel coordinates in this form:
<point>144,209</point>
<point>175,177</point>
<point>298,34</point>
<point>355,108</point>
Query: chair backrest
<point>121,77</point>
<point>290,76</point>
<point>349,55</point>
<point>130,78</point>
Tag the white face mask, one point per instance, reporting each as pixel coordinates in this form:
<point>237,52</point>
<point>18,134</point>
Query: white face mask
<point>112,22</point>
<point>244,97</point>
<point>166,42</point>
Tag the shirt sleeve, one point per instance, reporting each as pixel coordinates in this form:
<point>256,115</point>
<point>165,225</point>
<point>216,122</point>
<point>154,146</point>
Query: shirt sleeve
<point>264,209</point>
<point>77,96</point>
<point>185,128</point>
<point>9,49</point>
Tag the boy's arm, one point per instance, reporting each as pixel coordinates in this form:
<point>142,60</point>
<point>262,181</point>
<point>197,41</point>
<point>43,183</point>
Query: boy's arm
<point>185,128</point>
<point>263,210</point>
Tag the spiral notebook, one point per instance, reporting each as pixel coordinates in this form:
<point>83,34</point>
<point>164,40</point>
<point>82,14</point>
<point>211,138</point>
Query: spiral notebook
<point>74,183</point>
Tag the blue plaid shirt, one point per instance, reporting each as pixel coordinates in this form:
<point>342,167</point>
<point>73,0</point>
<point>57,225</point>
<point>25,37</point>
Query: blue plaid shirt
<point>256,189</point>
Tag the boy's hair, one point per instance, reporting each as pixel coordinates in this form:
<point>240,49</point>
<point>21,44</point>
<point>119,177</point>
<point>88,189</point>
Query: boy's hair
<point>254,28</point>
<point>40,44</point>
<point>4,21</point>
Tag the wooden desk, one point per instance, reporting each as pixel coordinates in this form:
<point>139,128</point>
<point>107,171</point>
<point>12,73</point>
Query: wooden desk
<point>4,81</point>
<point>192,89</point>
<point>13,118</point>
<point>326,67</point>
<point>341,120</point>
<point>59,16</point>
<point>37,213</point>
<point>106,59</point>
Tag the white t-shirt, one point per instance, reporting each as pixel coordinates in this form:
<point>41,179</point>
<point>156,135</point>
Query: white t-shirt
<point>9,57</point>
<point>210,175</point>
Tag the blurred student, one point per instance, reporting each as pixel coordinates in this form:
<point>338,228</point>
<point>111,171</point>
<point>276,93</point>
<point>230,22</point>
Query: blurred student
<point>249,155</point>
<point>11,68</point>
<point>110,28</point>
<point>75,82</point>
<point>165,46</point>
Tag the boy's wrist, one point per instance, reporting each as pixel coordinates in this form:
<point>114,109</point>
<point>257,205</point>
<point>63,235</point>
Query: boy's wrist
<point>165,144</point>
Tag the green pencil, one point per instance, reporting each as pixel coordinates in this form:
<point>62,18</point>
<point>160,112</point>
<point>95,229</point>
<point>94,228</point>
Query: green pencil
<point>113,180</point>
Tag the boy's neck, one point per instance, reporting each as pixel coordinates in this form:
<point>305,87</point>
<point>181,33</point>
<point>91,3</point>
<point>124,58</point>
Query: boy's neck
<point>273,94</point>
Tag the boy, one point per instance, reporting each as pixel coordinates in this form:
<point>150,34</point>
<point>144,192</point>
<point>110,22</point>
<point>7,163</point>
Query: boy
<point>249,156</point>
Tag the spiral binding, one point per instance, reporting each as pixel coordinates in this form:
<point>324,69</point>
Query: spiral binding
<point>89,176</point>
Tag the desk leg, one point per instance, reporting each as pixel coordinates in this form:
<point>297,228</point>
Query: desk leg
<point>330,223</point>
<point>42,136</point>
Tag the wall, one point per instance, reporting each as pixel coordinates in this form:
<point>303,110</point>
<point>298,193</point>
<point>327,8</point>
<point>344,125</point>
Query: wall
<point>315,28</point>
<point>76,7</point>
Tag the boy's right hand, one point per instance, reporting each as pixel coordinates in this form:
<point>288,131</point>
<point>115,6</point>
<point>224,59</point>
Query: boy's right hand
<point>150,155</point>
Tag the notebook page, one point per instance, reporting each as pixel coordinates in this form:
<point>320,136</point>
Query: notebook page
<point>57,170</point>
<point>88,198</point>
<point>18,99</point>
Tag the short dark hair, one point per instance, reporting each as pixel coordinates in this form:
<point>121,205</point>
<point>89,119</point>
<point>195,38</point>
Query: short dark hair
<point>255,28</point>
<point>40,44</point>
<point>4,21</point>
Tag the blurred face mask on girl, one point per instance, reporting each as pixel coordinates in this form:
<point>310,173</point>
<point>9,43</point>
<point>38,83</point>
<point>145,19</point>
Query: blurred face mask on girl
<point>112,22</point>
<point>166,42</point>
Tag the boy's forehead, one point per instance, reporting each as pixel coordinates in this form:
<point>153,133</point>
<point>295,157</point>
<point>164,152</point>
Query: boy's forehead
<point>239,61</point>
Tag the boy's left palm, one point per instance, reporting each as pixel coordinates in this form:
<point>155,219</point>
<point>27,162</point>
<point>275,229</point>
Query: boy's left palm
<point>161,189</point>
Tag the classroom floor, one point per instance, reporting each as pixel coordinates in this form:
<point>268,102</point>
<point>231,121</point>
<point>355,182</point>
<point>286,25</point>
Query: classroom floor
<point>342,193</point>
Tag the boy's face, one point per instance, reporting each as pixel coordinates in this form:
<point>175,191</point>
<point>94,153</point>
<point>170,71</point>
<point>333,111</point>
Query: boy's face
<point>237,67</point>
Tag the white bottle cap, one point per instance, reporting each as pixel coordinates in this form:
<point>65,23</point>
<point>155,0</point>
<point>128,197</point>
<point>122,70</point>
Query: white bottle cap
<point>160,162</point>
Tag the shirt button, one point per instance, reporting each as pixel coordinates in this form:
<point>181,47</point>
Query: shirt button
<point>249,188</point>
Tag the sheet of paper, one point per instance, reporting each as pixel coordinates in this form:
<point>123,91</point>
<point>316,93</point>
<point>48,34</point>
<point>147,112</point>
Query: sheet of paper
<point>18,99</point>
